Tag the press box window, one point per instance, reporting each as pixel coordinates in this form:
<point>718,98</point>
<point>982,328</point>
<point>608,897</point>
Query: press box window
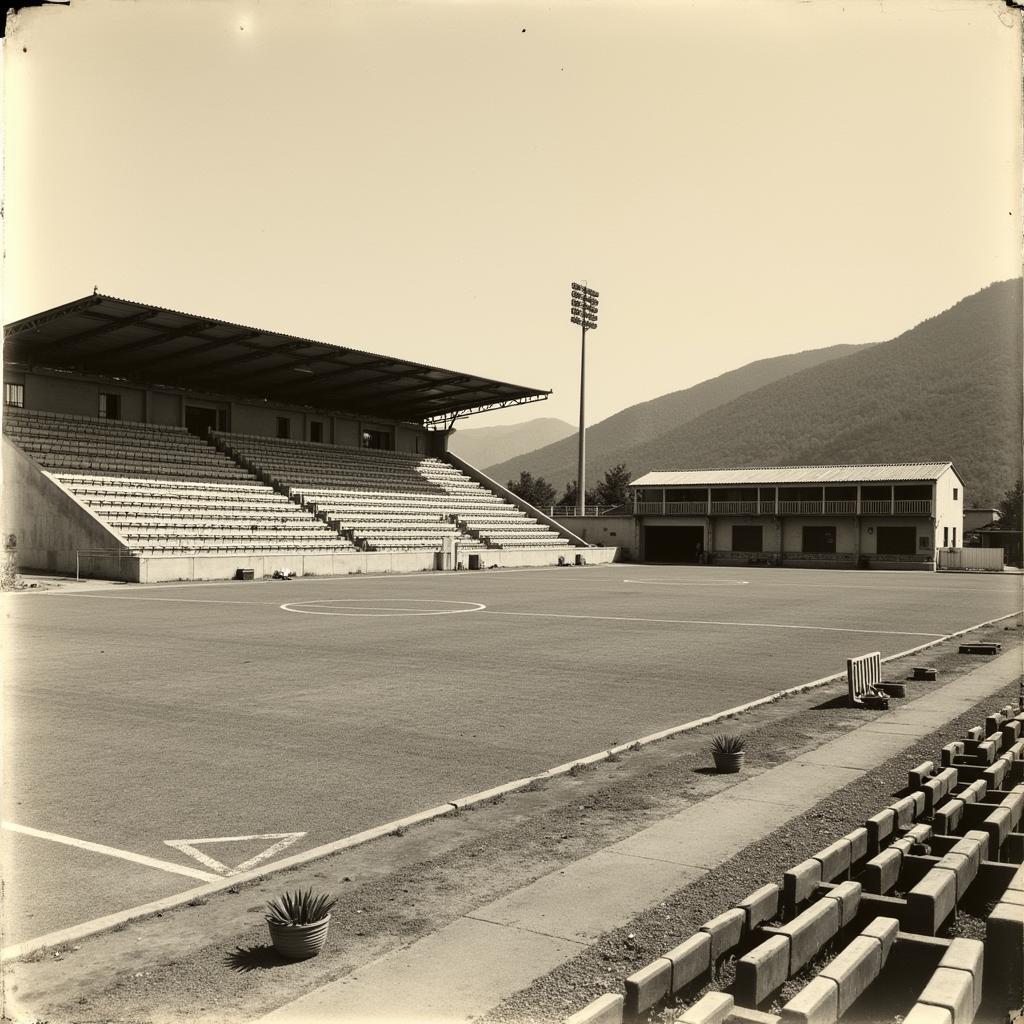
<point>110,406</point>
<point>316,432</point>
<point>284,428</point>
<point>14,394</point>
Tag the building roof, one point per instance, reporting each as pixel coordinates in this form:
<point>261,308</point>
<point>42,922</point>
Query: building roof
<point>891,472</point>
<point>152,345</point>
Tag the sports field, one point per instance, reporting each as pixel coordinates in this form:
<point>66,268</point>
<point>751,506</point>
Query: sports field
<point>272,717</point>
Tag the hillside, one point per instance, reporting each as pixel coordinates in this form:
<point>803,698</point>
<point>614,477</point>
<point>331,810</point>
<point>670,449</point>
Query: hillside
<point>949,388</point>
<point>483,445</point>
<point>610,440</point>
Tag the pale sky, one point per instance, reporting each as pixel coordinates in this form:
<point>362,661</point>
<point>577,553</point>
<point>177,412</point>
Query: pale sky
<point>737,179</point>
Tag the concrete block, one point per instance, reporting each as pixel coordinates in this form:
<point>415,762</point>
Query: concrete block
<point>1011,733</point>
<point>967,955</point>
<point>994,774</point>
<point>816,1003</point>
<point>922,1013</point>
<point>994,722</point>
<point>946,819</point>
<point>973,846</point>
<point>847,895</point>
<point>1017,882</point>
<point>963,869</point>
<point>714,1008</point>
<point>881,873</point>
<point>920,804</point>
<point>997,826</point>
<point>950,990</point>
<point>858,840</point>
<point>883,930</point>
<point>725,931</point>
<point>917,776</point>
<point>745,1015</point>
<point>930,902</point>
<point>1004,942</point>
<point>919,833</point>
<point>925,673</point>
<point>809,931</point>
<point>951,750</point>
<point>881,827</point>
<point>981,838</point>
<point>949,778</point>
<point>648,986</point>
<point>690,960</point>
<point>986,752</point>
<point>976,733</point>
<point>905,811</point>
<point>761,905</point>
<point>834,860</point>
<point>854,969</point>
<point>933,793</point>
<point>1014,801</point>
<point>763,970</point>
<point>974,792</point>
<point>606,1009</point>
<point>1014,897</point>
<point>798,883</point>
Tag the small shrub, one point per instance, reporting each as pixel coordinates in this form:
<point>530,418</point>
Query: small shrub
<point>727,744</point>
<point>299,907</point>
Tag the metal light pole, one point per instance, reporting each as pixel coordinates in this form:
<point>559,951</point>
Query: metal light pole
<point>584,313</point>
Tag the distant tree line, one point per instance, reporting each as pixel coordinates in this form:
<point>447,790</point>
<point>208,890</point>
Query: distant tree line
<point>611,490</point>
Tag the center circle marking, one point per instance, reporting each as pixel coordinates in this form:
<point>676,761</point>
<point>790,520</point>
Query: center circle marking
<point>379,607</point>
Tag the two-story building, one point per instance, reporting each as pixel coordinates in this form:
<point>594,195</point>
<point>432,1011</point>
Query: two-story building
<point>893,516</point>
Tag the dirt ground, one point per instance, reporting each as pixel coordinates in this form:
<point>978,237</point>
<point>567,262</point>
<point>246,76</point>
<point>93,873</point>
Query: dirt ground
<point>212,962</point>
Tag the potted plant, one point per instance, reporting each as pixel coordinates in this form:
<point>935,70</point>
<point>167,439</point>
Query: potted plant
<point>728,753</point>
<point>299,921</point>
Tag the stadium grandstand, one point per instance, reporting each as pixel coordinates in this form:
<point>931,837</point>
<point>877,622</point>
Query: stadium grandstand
<point>146,444</point>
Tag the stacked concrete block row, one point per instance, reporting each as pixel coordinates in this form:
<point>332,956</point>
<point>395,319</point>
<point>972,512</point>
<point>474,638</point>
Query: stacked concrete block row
<point>886,891</point>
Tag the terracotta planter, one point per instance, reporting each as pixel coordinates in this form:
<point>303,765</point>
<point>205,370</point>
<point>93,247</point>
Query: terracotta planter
<point>299,941</point>
<point>728,763</point>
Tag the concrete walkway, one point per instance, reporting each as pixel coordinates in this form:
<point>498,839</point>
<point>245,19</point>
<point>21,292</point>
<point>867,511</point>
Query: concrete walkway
<point>468,967</point>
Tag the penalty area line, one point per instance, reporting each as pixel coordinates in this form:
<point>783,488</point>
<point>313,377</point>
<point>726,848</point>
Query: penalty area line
<point>714,622</point>
<point>112,851</point>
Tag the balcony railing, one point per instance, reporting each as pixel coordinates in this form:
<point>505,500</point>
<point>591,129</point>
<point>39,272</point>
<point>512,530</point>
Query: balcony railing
<point>734,508</point>
<point>846,507</point>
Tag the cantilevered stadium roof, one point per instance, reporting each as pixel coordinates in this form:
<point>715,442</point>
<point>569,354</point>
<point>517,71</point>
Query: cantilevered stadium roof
<point>151,345</point>
<point>892,472</point>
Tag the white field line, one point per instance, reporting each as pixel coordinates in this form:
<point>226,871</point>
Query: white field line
<point>691,583</point>
<point>188,847</point>
<point>713,622</point>
<point>101,924</point>
<point>923,589</point>
<point>175,600</point>
<point>363,610</point>
<point>111,851</point>
<point>347,577</point>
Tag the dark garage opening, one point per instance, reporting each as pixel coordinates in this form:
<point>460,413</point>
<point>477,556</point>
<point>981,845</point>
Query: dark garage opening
<point>897,540</point>
<point>673,544</point>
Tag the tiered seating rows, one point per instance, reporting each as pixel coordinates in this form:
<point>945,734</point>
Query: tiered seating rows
<point>162,490</point>
<point>383,498</point>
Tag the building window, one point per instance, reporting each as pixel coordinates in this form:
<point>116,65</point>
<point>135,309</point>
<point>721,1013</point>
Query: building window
<point>14,395</point>
<point>110,406</point>
<point>945,536</point>
<point>316,432</point>
<point>222,420</point>
<point>924,543</point>
<point>747,538</point>
<point>956,493</point>
<point>954,536</point>
<point>284,428</point>
<point>819,540</point>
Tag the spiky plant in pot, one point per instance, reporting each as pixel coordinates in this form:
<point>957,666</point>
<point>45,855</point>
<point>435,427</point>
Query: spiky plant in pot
<point>298,922</point>
<point>728,752</point>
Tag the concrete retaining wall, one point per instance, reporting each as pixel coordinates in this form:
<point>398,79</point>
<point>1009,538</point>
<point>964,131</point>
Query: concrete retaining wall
<point>51,525</point>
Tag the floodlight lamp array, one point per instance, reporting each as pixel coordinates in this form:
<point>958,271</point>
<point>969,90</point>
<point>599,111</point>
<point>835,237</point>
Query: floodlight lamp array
<point>583,306</point>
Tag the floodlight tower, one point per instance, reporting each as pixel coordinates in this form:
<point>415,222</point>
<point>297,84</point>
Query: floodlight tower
<point>583,311</point>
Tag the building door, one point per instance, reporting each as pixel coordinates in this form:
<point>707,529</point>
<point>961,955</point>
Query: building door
<point>897,540</point>
<point>680,544</point>
<point>197,419</point>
